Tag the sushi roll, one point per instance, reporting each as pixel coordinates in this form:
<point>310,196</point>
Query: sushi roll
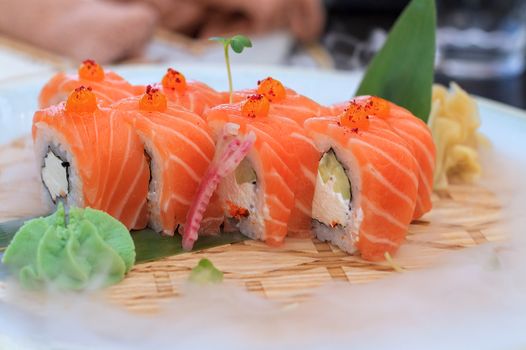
<point>179,146</point>
<point>89,158</point>
<point>195,96</point>
<point>413,130</point>
<point>287,107</point>
<point>366,184</point>
<point>258,196</point>
<point>108,86</point>
<point>284,101</point>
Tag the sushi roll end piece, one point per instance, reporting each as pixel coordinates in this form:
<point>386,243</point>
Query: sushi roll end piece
<point>412,130</point>
<point>366,184</point>
<point>56,171</point>
<point>89,158</point>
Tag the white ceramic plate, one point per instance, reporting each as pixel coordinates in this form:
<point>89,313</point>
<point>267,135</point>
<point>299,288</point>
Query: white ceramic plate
<point>504,126</point>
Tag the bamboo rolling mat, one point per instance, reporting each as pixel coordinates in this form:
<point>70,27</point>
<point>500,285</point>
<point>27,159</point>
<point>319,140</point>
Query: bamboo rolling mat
<point>463,216</point>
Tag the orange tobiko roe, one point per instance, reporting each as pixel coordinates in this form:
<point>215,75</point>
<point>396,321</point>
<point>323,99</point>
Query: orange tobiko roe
<point>90,70</point>
<point>153,100</point>
<point>256,106</point>
<point>81,100</point>
<point>174,80</point>
<point>356,115</point>
<point>272,89</point>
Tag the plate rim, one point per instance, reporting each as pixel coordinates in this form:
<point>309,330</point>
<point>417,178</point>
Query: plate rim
<point>186,65</point>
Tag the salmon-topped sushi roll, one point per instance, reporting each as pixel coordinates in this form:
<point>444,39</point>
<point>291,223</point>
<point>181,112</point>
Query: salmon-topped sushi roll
<point>414,131</point>
<point>90,158</point>
<point>258,196</point>
<point>366,184</point>
<point>195,96</point>
<point>109,87</point>
<point>179,146</point>
<point>284,101</point>
<point>268,193</point>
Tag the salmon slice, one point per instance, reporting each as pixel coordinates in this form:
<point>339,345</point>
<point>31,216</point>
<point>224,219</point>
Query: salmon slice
<point>304,164</point>
<point>263,212</point>
<point>383,176</point>
<point>180,147</point>
<point>284,101</point>
<point>107,169</point>
<point>108,86</point>
<point>195,96</point>
<point>418,137</point>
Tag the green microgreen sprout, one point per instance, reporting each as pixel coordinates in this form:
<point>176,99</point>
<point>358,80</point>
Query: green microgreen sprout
<point>238,43</point>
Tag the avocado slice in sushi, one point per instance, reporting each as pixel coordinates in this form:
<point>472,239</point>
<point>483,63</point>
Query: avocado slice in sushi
<point>331,204</point>
<point>331,169</point>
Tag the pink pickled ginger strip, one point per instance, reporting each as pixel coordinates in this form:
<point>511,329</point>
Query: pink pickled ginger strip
<point>231,150</point>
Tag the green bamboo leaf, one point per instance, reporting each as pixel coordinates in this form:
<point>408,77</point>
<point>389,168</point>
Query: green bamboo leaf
<point>149,245</point>
<point>402,71</point>
<point>239,42</point>
<point>8,230</point>
<point>3,270</point>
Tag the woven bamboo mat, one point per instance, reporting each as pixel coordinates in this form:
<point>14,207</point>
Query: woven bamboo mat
<point>463,216</point>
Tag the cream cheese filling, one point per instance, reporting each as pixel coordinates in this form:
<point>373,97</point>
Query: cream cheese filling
<point>329,207</point>
<point>55,176</point>
<point>244,195</point>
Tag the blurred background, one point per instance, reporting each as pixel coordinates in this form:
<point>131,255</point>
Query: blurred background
<point>481,44</point>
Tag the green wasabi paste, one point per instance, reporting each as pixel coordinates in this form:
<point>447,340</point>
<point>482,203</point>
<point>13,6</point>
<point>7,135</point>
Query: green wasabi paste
<point>91,249</point>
